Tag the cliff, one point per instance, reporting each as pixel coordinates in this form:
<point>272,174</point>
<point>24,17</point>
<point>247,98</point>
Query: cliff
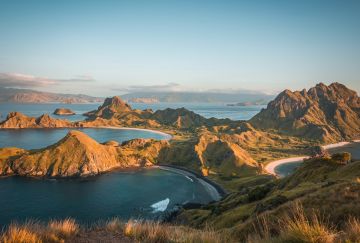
<point>19,120</point>
<point>79,155</point>
<point>326,113</point>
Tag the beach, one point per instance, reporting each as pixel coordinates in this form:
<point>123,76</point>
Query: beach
<point>270,167</point>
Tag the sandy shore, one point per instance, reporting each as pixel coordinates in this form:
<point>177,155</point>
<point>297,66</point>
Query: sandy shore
<point>270,167</point>
<point>335,145</point>
<point>167,136</point>
<point>211,189</point>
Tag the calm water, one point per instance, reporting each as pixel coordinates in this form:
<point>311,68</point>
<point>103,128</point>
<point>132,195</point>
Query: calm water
<point>127,195</point>
<point>204,109</point>
<point>39,138</point>
<point>287,169</point>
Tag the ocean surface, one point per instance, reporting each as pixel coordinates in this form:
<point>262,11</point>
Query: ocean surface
<point>40,138</point>
<point>287,169</point>
<point>132,194</point>
<point>205,109</point>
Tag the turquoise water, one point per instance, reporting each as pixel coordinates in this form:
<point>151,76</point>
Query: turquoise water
<point>205,109</point>
<point>122,194</point>
<point>39,138</point>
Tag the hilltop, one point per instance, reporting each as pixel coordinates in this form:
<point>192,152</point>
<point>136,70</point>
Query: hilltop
<point>326,113</point>
<point>77,154</point>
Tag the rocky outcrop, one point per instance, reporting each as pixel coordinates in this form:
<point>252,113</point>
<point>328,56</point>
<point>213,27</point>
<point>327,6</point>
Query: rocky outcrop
<point>79,155</point>
<point>326,113</point>
<point>180,118</point>
<point>19,120</point>
<point>110,107</point>
<point>64,112</point>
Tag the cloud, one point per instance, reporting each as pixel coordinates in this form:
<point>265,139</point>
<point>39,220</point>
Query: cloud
<point>151,88</point>
<point>18,80</point>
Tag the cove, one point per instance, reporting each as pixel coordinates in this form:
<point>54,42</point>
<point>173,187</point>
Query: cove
<point>285,169</point>
<point>42,137</point>
<point>143,193</point>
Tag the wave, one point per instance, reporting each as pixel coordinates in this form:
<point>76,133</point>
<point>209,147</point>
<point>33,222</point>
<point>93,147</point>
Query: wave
<point>160,206</point>
<point>188,177</point>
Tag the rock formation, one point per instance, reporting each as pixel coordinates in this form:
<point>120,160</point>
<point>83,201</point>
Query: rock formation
<point>79,155</point>
<point>180,118</point>
<point>64,112</point>
<point>326,113</point>
<point>110,107</point>
<point>19,120</point>
<point>115,111</point>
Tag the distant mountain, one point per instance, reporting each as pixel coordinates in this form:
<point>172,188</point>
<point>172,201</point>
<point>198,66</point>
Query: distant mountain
<point>328,113</point>
<point>196,97</point>
<point>11,95</point>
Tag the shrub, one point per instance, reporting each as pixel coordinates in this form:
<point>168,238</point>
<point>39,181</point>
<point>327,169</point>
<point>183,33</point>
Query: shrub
<point>341,158</point>
<point>20,234</point>
<point>352,231</point>
<point>297,227</point>
<point>63,228</point>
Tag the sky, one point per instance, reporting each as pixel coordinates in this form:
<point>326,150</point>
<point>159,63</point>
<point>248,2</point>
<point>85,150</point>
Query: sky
<point>111,47</point>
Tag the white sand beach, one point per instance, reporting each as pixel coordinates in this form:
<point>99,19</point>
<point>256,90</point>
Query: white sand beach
<point>167,136</point>
<point>270,167</point>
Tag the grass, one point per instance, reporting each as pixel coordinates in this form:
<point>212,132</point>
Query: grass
<point>36,232</point>
<point>149,231</point>
<point>62,231</point>
<point>297,226</point>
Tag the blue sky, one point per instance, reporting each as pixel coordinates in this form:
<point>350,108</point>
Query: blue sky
<point>110,47</point>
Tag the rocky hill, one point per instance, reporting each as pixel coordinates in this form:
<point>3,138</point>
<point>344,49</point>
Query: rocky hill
<point>326,113</point>
<point>110,107</point>
<point>115,111</point>
<point>79,155</point>
<point>19,120</point>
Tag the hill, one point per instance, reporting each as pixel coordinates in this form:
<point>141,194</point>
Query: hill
<point>11,95</point>
<point>79,155</point>
<point>19,120</point>
<point>326,113</point>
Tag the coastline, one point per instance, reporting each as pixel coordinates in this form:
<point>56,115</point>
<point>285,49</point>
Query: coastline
<point>166,135</point>
<point>215,190</point>
<point>270,167</point>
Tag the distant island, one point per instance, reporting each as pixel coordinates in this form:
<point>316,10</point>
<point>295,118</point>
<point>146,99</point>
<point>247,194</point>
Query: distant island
<point>196,97</point>
<point>12,95</point>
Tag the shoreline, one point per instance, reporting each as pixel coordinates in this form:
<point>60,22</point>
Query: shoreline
<point>270,167</point>
<point>216,191</point>
<point>166,135</point>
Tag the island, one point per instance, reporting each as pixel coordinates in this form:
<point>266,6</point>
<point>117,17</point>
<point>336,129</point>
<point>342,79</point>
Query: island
<point>234,155</point>
<point>64,112</point>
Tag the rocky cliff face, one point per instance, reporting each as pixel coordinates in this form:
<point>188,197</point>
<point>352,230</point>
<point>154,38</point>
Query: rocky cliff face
<point>19,120</point>
<point>79,155</point>
<point>327,113</point>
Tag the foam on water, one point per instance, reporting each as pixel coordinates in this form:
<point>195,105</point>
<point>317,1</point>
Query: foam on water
<point>160,206</point>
